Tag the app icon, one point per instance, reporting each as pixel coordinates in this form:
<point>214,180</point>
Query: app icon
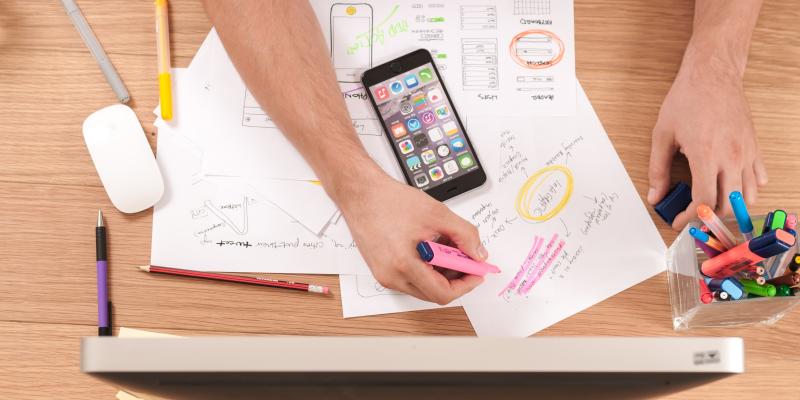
<point>414,163</point>
<point>436,173</point>
<point>420,102</point>
<point>406,108</point>
<point>382,93</point>
<point>465,160</point>
<point>428,118</point>
<point>396,87</point>
<point>398,130</point>
<point>421,180</point>
<point>451,167</point>
<point>406,146</point>
<point>458,144</point>
<point>420,140</point>
<point>435,134</point>
<point>443,151</point>
<point>442,112</point>
<point>428,157</point>
<point>434,95</point>
<point>411,81</point>
<point>413,124</point>
<point>425,75</point>
<point>450,128</point>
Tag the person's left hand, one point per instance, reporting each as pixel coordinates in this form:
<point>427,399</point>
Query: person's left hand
<point>706,117</point>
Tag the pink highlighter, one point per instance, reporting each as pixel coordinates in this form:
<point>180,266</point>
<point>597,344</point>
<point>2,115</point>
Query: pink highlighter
<point>451,258</point>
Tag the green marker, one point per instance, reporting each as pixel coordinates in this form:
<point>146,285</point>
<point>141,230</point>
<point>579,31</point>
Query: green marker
<point>778,220</point>
<point>784,290</point>
<point>752,287</point>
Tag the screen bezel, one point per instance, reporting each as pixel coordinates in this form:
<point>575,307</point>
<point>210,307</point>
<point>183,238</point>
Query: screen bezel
<point>395,68</point>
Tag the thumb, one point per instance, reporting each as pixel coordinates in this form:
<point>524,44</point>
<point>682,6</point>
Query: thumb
<point>463,234</point>
<point>661,153</point>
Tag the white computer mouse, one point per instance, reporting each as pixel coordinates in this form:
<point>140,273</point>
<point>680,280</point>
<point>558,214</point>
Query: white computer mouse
<point>123,158</point>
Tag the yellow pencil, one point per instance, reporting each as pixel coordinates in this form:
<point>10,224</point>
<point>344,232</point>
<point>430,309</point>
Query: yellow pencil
<point>164,79</point>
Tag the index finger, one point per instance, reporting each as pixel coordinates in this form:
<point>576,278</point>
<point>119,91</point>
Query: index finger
<point>436,287</point>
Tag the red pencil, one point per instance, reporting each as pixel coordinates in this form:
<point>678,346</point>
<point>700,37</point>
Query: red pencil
<point>235,278</point>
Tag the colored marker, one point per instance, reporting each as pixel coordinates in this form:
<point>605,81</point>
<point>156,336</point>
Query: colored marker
<point>103,304</point>
<point>743,256</point>
<point>722,295</point>
<point>767,223</point>
<point>784,290</point>
<point>778,220</point>
<point>705,294</point>
<point>791,221</point>
<point>729,285</point>
<point>742,216</point>
<point>794,266</point>
<point>751,287</point>
<point>713,222</point>
<point>451,258</point>
<point>708,240</point>
<point>788,280</point>
<point>711,253</point>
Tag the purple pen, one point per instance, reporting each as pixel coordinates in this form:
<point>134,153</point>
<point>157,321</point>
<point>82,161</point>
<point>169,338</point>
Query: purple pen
<point>103,312</point>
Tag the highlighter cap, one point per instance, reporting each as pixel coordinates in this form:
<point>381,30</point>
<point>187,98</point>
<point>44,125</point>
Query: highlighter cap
<point>772,243</point>
<point>740,211</point>
<point>425,251</point>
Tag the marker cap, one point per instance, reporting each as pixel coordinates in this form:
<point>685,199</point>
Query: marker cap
<point>740,211</point>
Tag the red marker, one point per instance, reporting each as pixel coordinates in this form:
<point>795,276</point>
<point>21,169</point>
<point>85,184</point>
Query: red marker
<point>705,294</point>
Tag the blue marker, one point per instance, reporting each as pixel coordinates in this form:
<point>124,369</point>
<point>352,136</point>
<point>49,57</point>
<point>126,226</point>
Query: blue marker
<point>742,217</point>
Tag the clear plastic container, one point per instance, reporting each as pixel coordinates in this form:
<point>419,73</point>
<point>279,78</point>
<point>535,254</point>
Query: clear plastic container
<point>683,274</point>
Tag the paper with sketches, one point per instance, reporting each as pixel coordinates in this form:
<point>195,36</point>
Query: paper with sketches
<point>363,295</point>
<point>562,219</point>
<point>500,59</point>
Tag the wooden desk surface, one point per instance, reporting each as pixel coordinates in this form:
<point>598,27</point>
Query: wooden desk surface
<point>628,51</point>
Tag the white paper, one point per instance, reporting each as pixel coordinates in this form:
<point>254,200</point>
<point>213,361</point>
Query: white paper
<point>598,241</point>
<point>363,295</point>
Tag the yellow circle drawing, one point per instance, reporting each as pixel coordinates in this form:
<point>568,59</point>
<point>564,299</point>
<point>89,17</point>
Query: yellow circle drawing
<point>528,190</point>
<point>350,10</point>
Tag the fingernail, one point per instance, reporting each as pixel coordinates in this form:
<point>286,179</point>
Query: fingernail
<point>651,195</point>
<point>482,253</point>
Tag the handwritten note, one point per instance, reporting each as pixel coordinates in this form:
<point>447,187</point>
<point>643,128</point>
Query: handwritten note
<point>557,219</point>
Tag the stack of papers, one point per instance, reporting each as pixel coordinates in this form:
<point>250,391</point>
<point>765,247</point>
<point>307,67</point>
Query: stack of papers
<point>240,198</point>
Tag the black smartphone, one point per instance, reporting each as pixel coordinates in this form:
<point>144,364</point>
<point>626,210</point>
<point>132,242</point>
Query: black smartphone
<point>423,127</point>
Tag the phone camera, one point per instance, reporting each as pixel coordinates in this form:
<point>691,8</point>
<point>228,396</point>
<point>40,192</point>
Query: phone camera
<point>396,67</point>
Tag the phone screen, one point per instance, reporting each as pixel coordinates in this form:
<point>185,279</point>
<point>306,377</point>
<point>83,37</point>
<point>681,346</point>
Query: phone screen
<point>423,127</point>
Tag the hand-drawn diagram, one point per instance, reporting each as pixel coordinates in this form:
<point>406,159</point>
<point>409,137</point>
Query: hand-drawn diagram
<point>479,64</point>
<point>536,49</point>
<point>545,193</point>
<point>351,48</point>
<point>478,18</point>
<point>531,7</point>
<point>239,229</point>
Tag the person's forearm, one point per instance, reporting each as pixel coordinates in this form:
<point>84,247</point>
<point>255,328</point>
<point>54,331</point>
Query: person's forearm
<point>721,34</point>
<point>280,53</point>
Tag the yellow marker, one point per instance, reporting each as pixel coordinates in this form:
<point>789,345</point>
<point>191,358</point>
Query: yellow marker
<point>164,79</point>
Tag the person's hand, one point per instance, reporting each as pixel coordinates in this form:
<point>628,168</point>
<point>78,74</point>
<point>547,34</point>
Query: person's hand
<point>388,218</point>
<point>706,117</point>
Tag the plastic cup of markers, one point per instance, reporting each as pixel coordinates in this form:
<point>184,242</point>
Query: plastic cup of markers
<point>688,311</point>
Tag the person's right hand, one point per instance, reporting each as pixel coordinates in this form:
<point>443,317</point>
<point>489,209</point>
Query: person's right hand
<point>388,218</point>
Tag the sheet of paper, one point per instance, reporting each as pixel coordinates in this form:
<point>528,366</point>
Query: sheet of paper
<point>562,219</point>
<point>363,295</point>
<point>222,225</point>
<point>498,59</point>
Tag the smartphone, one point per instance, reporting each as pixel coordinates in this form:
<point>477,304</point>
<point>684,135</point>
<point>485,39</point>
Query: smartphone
<point>423,127</point>
<point>351,39</point>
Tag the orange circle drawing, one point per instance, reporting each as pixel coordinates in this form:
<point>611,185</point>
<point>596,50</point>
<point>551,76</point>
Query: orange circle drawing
<point>530,49</point>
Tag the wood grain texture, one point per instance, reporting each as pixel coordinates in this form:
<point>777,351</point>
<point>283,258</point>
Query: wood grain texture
<point>628,51</point>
